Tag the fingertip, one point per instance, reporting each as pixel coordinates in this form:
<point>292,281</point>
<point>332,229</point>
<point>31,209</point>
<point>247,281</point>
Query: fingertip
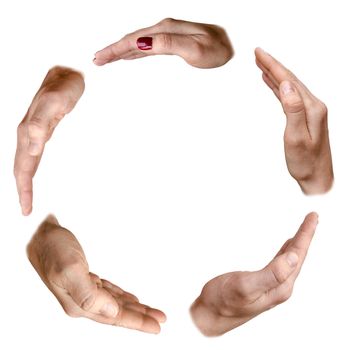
<point>98,62</point>
<point>163,318</point>
<point>313,217</point>
<point>155,328</point>
<point>26,211</point>
<point>26,207</point>
<point>260,51</point>
<point>257,50</point>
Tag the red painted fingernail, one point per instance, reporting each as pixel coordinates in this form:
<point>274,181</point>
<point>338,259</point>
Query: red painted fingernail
<point>144,43</point>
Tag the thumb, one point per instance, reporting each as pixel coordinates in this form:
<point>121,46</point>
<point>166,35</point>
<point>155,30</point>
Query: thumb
<point>293,106</point>
<point>89,297</point>
<point>275,273</point>
<point>38,130</point>
<point>278,270</point>
<point>170,44</point>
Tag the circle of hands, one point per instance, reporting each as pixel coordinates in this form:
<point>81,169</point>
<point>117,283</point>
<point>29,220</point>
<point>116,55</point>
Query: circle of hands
<point>226,301</point>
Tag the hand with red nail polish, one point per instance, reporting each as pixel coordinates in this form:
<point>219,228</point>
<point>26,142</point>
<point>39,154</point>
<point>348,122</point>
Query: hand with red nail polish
<point>60,262</point>
<point>200,45</point>
<point>306,140</point>
<point>57,96</point>
<point>229,300</point>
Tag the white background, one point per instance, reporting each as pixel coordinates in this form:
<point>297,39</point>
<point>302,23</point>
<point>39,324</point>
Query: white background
<point>170,175</point>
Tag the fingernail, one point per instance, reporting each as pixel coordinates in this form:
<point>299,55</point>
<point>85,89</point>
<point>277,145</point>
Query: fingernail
<point>287,88</point>
<point>144,43</point>
<point>292,259</point>
<point>34,148</point>
<point>109,310</point>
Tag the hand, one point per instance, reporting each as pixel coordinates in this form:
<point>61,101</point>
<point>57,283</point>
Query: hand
<point>59,260</point>
<point>306,140</point>
<point>232,299</point>
<point>57,96</point>
<point>200,45</point>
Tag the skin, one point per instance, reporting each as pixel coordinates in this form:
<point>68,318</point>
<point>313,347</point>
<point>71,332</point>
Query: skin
<point>229,300</point>
<point>57,96</point>
<point>306,140</point>
<point>200,45</point>
<point>60,262</point>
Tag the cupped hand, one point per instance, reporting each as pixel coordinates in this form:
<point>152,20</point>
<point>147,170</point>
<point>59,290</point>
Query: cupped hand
<point>200,45</point>
<point>57,96</point>
<point>59,260</point>
<point>306,140</point>
<point>234,298</point>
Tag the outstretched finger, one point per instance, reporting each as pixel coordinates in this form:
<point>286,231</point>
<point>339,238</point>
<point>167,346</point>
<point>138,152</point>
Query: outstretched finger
<point>25,167</point>
<point>137,320</point>
<point>295,111</point>
<point>279,73</point>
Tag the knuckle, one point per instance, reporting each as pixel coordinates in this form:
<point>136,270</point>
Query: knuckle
<point>54,98</point>
<point>197,52</point>
<point>295,140</point>
<point>284,294</point>
<point>166,22</point>
<point>279,274</point>
<point>319,109</point>
<point>36,129</point>
<point>293,105</point>
<point>20,129</point>
<point>72,311</point>
<point>242,288</point>
<point>165,41</point>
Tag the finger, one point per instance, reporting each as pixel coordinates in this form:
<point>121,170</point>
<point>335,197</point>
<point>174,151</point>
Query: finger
<point>158,315</point>
<point>284,247</point>
<point>267,73</point>
<point>128,44</point>
<point>38,133</point>
<point>25,167</point>
<point>294,108</point>
<point>133,56</point>
<point>85,293</point>
<point>136,320</point>
<point>302,239</point>
<point>24,185</point>
<point>117,291</point>
<point>185,46</point>
<point>280,73</point>
<point>95,279</point>
<point>271,85</point>
<point>275,273</point>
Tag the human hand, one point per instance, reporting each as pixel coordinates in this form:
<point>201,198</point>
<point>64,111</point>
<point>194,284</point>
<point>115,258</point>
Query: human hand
<point>306,140</point>
<point>234,298</point>
<point>59,260</point>
<point>200,45</point>
<point>57,96</point>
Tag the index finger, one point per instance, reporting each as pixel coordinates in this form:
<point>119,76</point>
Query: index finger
<point>300,243</point>
<point>279,73</point>
<point>128,44</point>
<point>25,167</point>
